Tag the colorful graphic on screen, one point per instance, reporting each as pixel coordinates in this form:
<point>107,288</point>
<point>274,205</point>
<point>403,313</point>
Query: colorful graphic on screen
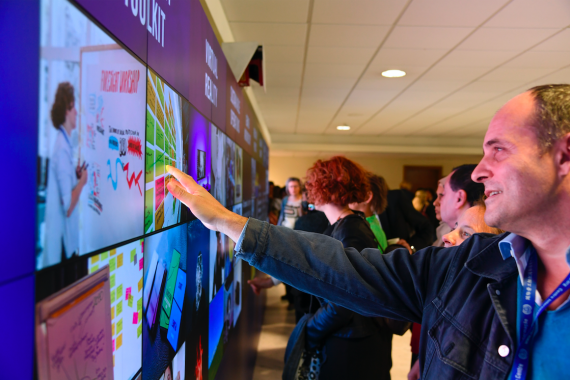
<point>90,150</point>
<point>164,298</point>
<point>199,148</point>
<point>164,146</point>
<point>126,282</point>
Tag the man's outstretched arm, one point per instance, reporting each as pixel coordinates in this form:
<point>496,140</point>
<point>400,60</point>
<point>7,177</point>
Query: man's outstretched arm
<point>396,285</point>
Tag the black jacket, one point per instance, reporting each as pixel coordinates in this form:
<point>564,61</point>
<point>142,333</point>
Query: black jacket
<point>401,220</point>
<point>330,320</point>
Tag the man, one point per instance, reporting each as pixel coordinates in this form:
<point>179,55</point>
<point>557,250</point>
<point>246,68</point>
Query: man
<point>474,301</point>
<point>455,194</point>
<point>443,227</point>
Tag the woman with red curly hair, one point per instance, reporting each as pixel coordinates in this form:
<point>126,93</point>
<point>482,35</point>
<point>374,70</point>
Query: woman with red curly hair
<point>354,346</point>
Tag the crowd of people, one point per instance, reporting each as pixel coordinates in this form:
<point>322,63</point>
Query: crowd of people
<point>484,303</point>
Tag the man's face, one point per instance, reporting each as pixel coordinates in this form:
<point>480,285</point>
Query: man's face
<point>518,180</point>
<point>448,203</point>
<point>437,202</point>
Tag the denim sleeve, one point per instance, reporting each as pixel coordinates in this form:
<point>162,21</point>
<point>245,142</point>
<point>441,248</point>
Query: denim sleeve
<point>395,285</point>
<point>328,319</point>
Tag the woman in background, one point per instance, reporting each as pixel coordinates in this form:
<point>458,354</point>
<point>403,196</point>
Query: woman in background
<point>354,346</point>
<point>291,208</point>
<point>65,183</point>
<point>374,205</point>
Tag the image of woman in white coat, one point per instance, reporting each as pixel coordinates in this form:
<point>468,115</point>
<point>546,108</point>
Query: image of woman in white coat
<point>65,183</point>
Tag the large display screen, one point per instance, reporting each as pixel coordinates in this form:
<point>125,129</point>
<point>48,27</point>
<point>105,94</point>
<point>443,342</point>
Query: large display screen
<point>124,272</point>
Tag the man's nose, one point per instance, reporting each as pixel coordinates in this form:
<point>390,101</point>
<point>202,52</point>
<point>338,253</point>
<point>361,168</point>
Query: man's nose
<point>448,239</point>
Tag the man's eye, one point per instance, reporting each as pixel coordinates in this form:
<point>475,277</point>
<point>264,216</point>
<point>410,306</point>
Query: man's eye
<point>466,234</point>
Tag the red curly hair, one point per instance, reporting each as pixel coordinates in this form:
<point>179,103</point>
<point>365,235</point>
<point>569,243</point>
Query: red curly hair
<point>338,181</point>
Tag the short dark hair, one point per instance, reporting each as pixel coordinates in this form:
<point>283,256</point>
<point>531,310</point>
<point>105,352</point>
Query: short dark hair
<point>292,179</point>
<point>461,180</point>
<point>552,114</point>
<point>64,99</point>
<point>379,189</point>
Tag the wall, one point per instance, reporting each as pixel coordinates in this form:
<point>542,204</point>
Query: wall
<point>391,167</point>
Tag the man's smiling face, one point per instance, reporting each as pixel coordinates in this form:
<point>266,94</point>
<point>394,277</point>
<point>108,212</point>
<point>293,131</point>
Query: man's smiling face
<point>518,178</point>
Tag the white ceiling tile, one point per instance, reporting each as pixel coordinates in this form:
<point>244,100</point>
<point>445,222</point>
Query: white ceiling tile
<point>373,79</point>
<point>283,54</point>
<point>339,55</point>
<point>279,69</point>
<point>283,81</point>
<point>449,12</point>
<point>514,74</point>
<point>358,12</point>
<point>514,39</point>
<point>396,58</point>
<point>347,35</point>
<point>270,33</point>
<point>416,37</point>
<point>472,58</point>
<point>458,74</point>
<point>540,59</point>
<point>266,11</point>
<point>558,42</point>
<point>533,14</point>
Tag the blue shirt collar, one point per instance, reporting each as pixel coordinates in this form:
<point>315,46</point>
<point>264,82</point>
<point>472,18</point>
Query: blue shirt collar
<point>518,247</point>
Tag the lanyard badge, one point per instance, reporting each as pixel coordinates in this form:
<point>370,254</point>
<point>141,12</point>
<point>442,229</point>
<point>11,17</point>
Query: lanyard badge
<point>528,319</point>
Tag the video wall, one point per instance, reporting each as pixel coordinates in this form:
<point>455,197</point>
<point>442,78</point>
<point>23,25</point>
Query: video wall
<point>128,283</point>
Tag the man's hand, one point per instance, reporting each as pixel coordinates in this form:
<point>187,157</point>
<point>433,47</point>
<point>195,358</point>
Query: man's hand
<point>404,243</point>
<point>259,283</point>
<point>204,205</point>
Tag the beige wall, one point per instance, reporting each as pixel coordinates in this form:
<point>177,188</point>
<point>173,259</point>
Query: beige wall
<point>391,167</point>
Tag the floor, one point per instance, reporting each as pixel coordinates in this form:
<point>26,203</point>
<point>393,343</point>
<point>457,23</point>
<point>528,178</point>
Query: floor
<point>278,324</point>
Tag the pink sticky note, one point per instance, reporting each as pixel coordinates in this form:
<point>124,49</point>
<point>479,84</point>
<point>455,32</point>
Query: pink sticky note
<point>127,293</point>
<point>141,264</point>
<point>113,345</point>
<point>135,317</point>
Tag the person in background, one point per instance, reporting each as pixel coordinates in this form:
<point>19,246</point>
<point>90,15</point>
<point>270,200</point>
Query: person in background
<point>375,203</point>
<point>443,227</point>
<point>471,222</point>
<point>273,211</point>
<point>420,201</point>
<point>460,193</point>
<point>400,220</point>
<point>406,189</point>
<point>355,346</point>
<point>291,205</point>
<point>65,183</point>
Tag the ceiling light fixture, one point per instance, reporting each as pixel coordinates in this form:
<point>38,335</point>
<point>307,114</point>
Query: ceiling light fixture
<point>393,73</point>
<point>343,128</point>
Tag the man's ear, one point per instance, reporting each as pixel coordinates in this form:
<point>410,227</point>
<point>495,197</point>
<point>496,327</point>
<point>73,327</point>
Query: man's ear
<point>461,199</point>
<point>562,155</point>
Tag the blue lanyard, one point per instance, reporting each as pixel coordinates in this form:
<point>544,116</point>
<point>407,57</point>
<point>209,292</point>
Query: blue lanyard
<point>528,321</point>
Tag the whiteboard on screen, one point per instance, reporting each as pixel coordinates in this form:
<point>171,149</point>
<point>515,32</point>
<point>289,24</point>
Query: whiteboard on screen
<point>112,134</point>
<point>73,331</point>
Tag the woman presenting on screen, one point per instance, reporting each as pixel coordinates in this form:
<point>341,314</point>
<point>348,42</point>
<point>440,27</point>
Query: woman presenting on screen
<point>65,182</point>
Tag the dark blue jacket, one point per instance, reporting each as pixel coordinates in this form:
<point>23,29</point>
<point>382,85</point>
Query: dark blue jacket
<point>465,297</point>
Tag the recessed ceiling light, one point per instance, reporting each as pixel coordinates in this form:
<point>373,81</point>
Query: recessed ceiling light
<point>393,73</point>
<point>343,128</point>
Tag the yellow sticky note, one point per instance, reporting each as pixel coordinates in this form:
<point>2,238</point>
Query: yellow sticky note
<point>94,259</point>
<point>130,300</point>
<point>119,342</point>
<point>113,329</point>
<point>133,253</point>
<point>120,326</point>
<point>94,268</point>
<point>119,291</point>
<point>112,281</point>
<point>113,360</point>
<point>113,312</point>
<point>139,306</point>
<point>140,284</point>
<point>112,264</point>
<point>113,252</point>
<point>120,260</point>
<point>139,330</point>
<point>119,307</point>
<point>113,296</point>
<point>105,255</point>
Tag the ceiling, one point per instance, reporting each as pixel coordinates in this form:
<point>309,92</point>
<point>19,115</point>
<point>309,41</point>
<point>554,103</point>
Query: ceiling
<point>463,59</point>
